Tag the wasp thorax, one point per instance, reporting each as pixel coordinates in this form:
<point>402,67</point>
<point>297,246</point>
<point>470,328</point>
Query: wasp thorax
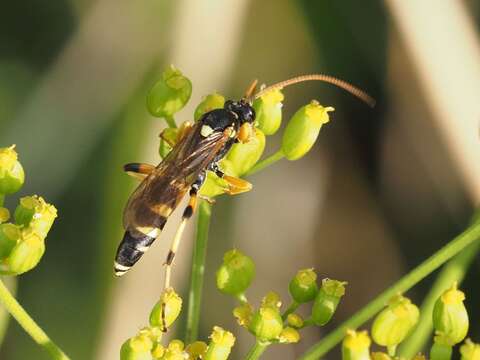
<point>242,109</point>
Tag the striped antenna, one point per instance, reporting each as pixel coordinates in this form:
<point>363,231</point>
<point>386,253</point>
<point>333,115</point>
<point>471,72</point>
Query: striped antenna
<point>362,95</point>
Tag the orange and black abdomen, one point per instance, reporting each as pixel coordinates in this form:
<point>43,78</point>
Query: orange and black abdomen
<point>145,217</point>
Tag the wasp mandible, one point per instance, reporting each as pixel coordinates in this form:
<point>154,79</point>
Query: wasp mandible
<point>199,149</point>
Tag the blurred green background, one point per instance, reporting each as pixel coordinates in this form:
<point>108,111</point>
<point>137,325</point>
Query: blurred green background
<point>381,190</point>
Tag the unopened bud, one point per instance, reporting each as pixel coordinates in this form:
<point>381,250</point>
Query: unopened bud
<point>170,94</point>
<point>266,323</point>
<point>450,317</point>
<point>4,215</point>
<point>272,299</point>
<point>303,129</point>
<point>158,351</point>
<point>12,175</point>
<point>303,287</point>
<point>137,348</point>
<point>470,350</point>
<point>36,214</point>
<point>236,273</point>
<point>392,325</point>
<point>26,254</point>
<point>268,109</point>
<point>243,314</point>
<point>173,306</point>
<point>295,320</point>
<point>327,300</point>
<point>169,134</point>
<point>220,346</point>
<point>244,156</point>
<point>289,336</point>
<point>10,234</point>
<point>209,103</point>
<point>197,349</point>
<point>356,346</point>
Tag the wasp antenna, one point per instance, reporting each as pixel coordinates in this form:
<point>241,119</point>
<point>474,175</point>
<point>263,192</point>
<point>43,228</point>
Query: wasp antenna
<point>362,95</point>
<point>251,89</point>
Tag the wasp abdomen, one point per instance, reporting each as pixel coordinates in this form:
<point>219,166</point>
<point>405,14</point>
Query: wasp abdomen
<point>134,244</point>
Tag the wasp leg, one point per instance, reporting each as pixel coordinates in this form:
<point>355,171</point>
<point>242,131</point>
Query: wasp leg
<point>138,170</point>
<point>234,185</point>
<point>187,214</point>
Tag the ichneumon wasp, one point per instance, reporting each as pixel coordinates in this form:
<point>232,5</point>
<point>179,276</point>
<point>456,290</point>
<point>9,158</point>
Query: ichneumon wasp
<point>198,149</point>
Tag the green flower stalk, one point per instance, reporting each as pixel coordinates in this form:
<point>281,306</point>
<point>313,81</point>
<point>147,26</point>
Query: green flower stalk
<point>220,346</point>
<point>393,324</point>
<point>267,323</point>
<point>470,350</point>
<point>209,103</point>
<point>137,348</point>
<point>450,317</point>
<point>12,175</point>
<point>170,94</point>
<point>440,351</point>
<point>268,109</point>
<point>235,274</point>
<point>173,306</point>
<point>327,300</point>
<point>356,346</point>
<point>303,129</point>
<point>10,235</point>
<point>303,287</point>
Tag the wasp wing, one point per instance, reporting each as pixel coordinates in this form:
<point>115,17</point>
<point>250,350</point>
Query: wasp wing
<point>159,194</point>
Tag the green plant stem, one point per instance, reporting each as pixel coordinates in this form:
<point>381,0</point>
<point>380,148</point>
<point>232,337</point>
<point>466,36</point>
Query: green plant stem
<point>198,271</point>
<point>171,122</point>
<point>4,315</point>
<point>266,162</point>
<point>454,270</point>
<point>28,324</point>
<point>256,350</point>
<point>468,237</point>
<point>293,306</point>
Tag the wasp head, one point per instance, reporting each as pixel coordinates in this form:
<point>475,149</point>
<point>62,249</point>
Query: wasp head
<point>242,109</point>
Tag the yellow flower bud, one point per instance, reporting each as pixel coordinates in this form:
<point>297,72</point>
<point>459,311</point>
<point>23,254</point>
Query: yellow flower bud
<point>295,320</point>
<point>327,300</point>
<point>171,135</point>
<point>243,314</point>
<point>26,254</point>
<point>236,273</point>
<point>303,129</point>
<point>450,317</point>
<point>197,349</point>
<point>392,325</point>
<point>173,306</point>
<point>158,351</point>
<point>243,156</point>
<point>12,175</point>
<point>170,94</point>
<point>137,348</point>
<point>470,350</point>
<point>221,343</point>
<point>380,356</point>
<point>4,215</point>
<point>266,323</point>
<point>174,351</point>
<point>209,103</point>
<point>356,346</point>
<point>272,299</point>
<point>10,234</point>
<point>289,336</point>
<point>268,109</point>
<point>215,186</point>
<point>36,214</point>
<point>303,287</point>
